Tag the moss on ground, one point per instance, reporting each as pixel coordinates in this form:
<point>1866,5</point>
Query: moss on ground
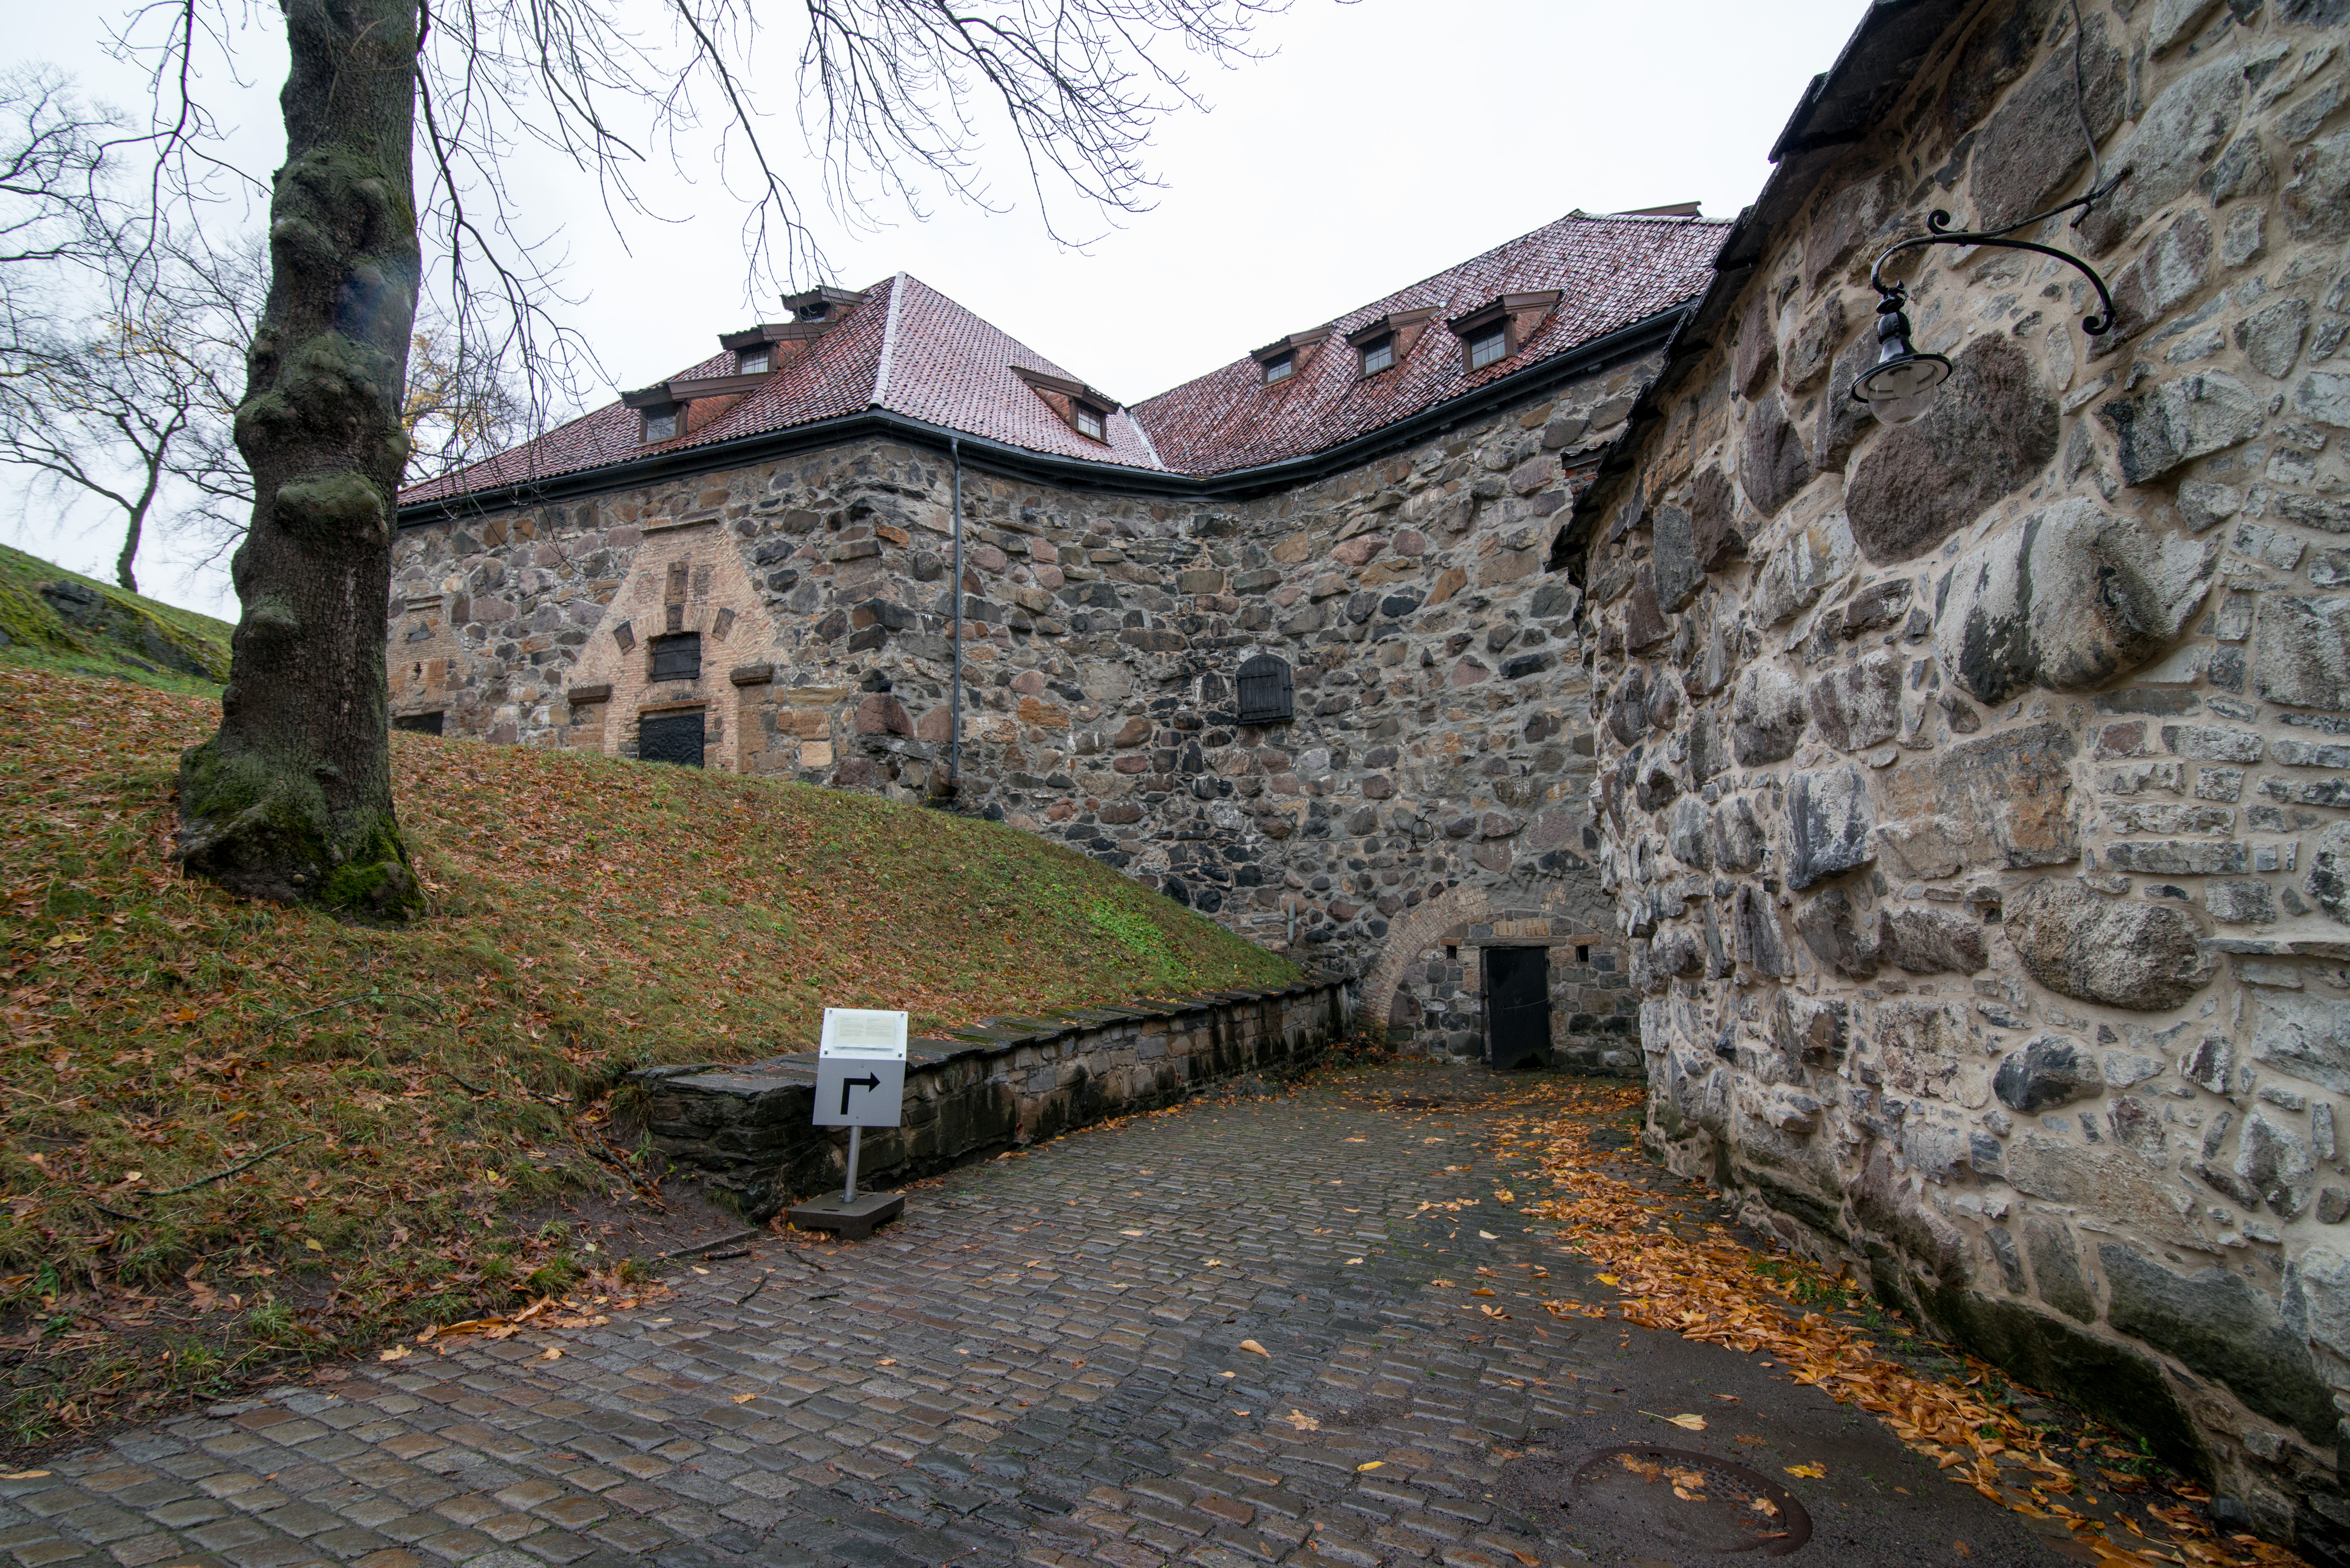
<point>84,626</point>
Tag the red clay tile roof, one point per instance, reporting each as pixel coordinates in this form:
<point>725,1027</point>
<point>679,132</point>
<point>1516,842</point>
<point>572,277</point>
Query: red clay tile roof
<point>949,367</point>
<point>910,350</point>
<point>1614,272</point>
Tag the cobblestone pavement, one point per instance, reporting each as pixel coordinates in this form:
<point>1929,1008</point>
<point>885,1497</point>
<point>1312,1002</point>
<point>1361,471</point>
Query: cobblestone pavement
<point>1045,1361</point>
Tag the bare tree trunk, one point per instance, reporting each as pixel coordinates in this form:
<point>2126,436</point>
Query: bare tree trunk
<point>291,799</point>
<point>138,509</point>
<point>122,571</point>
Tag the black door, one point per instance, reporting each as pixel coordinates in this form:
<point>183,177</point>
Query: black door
<point>670,738</point>
<point>1517,1008</point>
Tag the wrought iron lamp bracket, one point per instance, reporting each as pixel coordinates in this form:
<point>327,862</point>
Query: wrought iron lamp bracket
<point>1940,233</point>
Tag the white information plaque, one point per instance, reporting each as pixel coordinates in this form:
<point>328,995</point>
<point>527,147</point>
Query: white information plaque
<point>861,1069</point>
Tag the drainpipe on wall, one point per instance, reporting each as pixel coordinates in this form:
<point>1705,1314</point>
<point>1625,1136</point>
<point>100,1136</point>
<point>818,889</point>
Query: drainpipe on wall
<point>955,740</point>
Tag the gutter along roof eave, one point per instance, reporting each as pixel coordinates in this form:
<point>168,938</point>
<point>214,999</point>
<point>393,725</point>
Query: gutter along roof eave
<point>1077,473</point>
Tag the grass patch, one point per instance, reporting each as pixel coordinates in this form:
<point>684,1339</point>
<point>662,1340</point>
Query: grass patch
<point>233,1134</point>
<point>98,629</point>
<point>1133,932</point>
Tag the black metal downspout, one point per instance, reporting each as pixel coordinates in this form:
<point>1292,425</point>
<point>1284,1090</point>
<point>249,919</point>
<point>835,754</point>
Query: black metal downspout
<point>955,702</point>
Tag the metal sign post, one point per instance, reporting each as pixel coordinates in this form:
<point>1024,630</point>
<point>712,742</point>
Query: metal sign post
<point>861,1082</point>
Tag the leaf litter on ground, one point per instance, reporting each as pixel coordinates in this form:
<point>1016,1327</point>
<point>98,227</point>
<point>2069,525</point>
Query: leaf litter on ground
<point>1696,1280</point>
<point>235,1137</point>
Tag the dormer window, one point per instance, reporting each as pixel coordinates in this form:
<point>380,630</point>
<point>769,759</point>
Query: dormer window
<point>754,361</point>
<point>1384,343</point>
<point>1085,410</point>
<point>825,304</point>
<point>660,424</point>
<point>1498,329</point>
<point>1286,359</point>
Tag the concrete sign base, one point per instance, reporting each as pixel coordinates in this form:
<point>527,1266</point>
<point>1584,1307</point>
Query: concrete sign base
<point>854,1218</point>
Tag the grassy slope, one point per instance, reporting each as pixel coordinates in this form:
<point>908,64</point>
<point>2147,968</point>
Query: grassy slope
<point>134,637</point>
<point>588,916</point>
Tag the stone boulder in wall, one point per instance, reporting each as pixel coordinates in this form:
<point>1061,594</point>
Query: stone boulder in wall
<point>1829,824</point>
<point>2118,951</point>
<point>2001,800</point>
<point>2329,872</point>
<point>2303,1035</point>
<point>1989,434</point>
<point>2069,600</point>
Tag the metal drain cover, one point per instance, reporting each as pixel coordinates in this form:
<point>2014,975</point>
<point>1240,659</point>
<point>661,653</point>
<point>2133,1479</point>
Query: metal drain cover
<point>1677,1498</point>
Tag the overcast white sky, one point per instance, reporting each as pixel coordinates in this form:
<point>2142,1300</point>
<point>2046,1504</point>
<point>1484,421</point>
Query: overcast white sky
<point>1385,140</point>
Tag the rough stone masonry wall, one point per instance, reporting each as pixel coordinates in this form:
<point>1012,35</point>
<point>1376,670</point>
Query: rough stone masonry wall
<point>1434,782</point>
<point>1975,790</point>
<point>746,1130</point>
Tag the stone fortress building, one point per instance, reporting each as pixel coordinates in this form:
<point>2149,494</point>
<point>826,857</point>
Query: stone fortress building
<point>1278,641</point>
<point>1962,803</point>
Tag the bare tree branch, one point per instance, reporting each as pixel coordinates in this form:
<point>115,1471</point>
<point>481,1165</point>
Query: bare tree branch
<point>53,169</point>
<point>292,798</point>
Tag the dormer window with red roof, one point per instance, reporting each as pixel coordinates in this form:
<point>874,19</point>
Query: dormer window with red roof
<point>1282,359</point>
<point>1494,331</point>
<point>1384,343</point>
<point>660,424</point>
<point>755,361</point>
<point>1082,408</point>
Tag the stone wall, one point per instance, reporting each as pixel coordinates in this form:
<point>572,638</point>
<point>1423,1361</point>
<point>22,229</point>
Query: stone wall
<point>1437,749</point>
<point>746,1132</point>
<point>1973,791</point>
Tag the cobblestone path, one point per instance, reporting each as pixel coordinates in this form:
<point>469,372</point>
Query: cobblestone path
<point>1043,1362</point>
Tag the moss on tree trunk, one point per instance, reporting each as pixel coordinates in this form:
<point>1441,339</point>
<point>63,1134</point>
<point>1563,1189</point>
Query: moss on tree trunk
<point>291,799</point>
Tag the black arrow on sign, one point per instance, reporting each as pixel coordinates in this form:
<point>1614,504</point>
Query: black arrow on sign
<point>870,1081</point>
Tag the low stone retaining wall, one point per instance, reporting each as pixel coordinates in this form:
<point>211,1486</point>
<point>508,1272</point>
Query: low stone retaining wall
<point>745,1129</point>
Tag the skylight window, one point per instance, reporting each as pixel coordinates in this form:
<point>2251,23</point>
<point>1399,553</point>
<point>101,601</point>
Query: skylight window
<point>1489,344</point>
<point>1378,355</point>
<point>1088,423</point>
<point>1280,369</point>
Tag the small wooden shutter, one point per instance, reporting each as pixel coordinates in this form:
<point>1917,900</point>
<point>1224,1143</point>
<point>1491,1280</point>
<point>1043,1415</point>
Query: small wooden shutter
<point>678,657</point>
<point>1266,694</point>
<point>670,738</point>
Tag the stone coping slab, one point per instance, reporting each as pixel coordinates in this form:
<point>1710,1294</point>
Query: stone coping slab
<point>743,1128</point>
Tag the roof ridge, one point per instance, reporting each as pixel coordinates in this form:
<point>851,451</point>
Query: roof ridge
<point>1142,434</point>
<point>888,342</point>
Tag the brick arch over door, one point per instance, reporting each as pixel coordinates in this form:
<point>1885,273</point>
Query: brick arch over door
<point>1411,936</point>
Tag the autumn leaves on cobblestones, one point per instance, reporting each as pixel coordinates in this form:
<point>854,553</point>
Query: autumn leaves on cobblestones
<point>1677,1271</point>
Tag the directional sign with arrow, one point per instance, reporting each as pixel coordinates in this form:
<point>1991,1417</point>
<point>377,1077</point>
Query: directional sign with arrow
<point>860,1068</point>
<point>870,1081</point>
